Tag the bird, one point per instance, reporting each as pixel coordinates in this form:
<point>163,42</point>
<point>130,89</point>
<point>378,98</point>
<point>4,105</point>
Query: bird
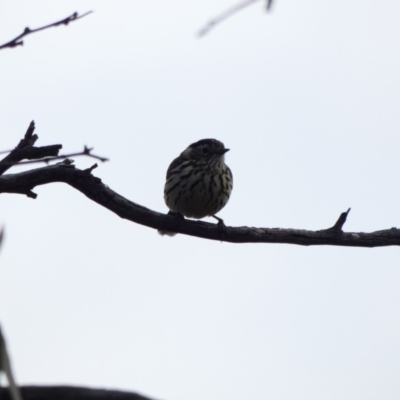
<point>198,182</point>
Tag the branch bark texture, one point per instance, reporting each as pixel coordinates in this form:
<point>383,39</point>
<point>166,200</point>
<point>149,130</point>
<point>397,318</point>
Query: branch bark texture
<point>93,188</point>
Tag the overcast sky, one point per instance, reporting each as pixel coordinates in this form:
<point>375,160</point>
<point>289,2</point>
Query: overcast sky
<point>307,98</point>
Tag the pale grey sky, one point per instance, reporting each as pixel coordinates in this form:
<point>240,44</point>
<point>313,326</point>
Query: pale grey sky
<point>307,98</point>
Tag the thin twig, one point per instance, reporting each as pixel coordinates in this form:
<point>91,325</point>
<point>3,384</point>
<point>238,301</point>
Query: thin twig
<point>5,366</point>
<point>341,221</point>
<point>25,150</point>
<point>2,235</point>
<point>65,21</point>
<point>86,152</point>
<point>225,15</point>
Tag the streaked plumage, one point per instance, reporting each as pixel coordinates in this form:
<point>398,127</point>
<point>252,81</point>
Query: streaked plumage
<point>199,183</point>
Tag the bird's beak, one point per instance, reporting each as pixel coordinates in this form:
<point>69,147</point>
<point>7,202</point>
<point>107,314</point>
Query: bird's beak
<point>222,151</point>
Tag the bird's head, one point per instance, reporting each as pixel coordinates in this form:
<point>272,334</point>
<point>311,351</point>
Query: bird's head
<point>206,149</point>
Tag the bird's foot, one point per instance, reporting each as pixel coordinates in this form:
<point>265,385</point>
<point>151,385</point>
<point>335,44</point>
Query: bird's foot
<point>221,226</point>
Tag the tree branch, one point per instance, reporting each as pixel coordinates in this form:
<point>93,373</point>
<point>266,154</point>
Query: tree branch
<point>1,236</point>
<point>5,366</point>
<point>70,392</point>
<point>94,189</point>
<point>29,153</point>
<point>227,14</point>
<point>65,21</point>
<point>340,222</point>
<point>26,151</point>
<point>87,151</point>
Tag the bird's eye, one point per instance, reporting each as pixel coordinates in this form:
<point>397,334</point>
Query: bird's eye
<point>204,150</point>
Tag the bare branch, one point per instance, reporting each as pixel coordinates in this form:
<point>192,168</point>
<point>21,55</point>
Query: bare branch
<point>70,392</point>
<point>229,13</point>
<point>86,152</point>
<point>5,366</point>
<point>2,234</point>
<point>29,138</point>
<point>340,222</point>
<point>26,151</point>
<point>94,189</point>
<point>18,42</point>
<point>36,154</point>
